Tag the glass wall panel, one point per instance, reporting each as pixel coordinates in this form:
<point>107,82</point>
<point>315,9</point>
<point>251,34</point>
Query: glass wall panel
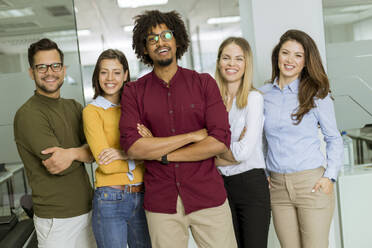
<point>105,25</point>
<point>348,27</point>
<point>348,34</point>
<point>22,23</point>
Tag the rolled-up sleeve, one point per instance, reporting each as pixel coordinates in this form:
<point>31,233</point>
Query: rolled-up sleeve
<point>334,148</point>
<point>129,118</point>
<point>217,122</point>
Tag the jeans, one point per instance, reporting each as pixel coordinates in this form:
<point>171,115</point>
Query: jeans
<point>119,219</point>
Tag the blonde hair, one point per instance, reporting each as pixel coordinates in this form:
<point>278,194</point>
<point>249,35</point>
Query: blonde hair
<point>246,85</point>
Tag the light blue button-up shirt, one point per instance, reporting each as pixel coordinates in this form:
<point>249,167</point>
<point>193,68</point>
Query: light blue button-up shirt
<point>293,148</point>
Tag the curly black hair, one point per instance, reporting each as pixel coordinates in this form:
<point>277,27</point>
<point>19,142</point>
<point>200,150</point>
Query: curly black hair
<point>149,19</point>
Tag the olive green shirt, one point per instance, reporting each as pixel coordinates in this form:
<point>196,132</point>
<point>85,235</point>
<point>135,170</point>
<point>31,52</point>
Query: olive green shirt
<point>44,122</point>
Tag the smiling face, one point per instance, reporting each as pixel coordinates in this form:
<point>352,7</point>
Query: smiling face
<point>111,79</point>
<point>291,61</point>
<point>49,82</point>
<point>162,53</point>
<point>232,63</point>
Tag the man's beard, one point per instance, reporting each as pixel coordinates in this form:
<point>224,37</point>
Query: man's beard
<point>165,62</point>
<point>43,88</point>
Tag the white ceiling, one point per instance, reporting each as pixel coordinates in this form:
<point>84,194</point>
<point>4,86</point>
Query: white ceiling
<point>105,20</point>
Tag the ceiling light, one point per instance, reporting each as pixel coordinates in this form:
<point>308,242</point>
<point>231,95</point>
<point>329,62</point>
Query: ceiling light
<point>356,8</point>
<point>16,13</point>
<point>128,28</point>
<point>139,3</point>
<point>225,19</point>
<point>84,32</point>
<point>70,32</point>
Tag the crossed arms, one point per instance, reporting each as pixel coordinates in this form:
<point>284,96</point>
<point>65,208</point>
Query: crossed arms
<point>153,148</point>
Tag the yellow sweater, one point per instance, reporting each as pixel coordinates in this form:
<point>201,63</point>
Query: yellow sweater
<point>101,128</point>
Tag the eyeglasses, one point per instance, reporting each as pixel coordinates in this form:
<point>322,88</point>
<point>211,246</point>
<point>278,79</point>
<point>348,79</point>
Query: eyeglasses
<point>166,35</point>
<point>43,68</point>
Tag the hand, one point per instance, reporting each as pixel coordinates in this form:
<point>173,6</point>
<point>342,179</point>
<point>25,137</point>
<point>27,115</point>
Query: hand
<point>144,131</point>
<point>325,184</point>
<point>109,155</point>
<point>242,134</point>
<point>199,135</point>
<point>269,181</point>
<point>60,160</point>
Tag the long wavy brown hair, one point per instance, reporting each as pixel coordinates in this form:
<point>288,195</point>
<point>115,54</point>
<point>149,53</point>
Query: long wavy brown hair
<point>313,79</point>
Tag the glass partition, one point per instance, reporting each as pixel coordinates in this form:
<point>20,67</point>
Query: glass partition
<point>22,23</point>
<point>348,34</point>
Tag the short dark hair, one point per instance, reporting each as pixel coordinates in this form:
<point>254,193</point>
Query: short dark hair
<point>144,22</point>
<point>42,45</point>
<point>108,54</point>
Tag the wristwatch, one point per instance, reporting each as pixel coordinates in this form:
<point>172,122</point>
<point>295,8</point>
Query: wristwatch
<point>164,159</point>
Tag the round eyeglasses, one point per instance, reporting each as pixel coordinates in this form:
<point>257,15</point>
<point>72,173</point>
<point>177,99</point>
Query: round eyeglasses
<point>166,36</point>
<point>43,68</point>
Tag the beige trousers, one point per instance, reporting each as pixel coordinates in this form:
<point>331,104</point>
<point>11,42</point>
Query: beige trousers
<point>211,228</point>
<point>302,218</point>
<point>74,232</point>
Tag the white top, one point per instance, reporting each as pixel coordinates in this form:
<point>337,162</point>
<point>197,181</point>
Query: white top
<point>247,151</point>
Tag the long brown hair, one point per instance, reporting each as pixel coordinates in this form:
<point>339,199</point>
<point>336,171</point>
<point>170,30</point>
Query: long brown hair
<point>313,79</point>
<point>108,54</point>
<point>246,85</point>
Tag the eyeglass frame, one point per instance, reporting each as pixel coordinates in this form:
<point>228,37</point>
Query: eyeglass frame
<point>159,35</point>
<point>47,67</point>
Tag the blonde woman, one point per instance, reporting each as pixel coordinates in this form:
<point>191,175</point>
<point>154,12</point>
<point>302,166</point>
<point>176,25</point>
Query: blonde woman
<point>243,166</point>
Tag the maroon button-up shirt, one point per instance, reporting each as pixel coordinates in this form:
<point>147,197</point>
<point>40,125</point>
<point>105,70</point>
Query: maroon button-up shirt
<point>191,102</point>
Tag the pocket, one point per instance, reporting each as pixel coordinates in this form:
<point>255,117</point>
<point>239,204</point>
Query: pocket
<point>109,196</point>
<point>109,203</point>
<point>278,192</point>
<point>321,199</point>
<point>43,228</point>
<point>192,115</point>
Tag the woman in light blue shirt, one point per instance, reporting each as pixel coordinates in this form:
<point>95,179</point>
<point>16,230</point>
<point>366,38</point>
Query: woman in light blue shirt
<point>296,103</point>
<point>242,167</point>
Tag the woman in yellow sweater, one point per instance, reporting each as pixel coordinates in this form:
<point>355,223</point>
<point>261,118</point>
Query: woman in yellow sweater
<point>118,216</point>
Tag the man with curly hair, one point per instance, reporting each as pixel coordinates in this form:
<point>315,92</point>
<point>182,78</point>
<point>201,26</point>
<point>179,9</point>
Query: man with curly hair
<point>175,120</point>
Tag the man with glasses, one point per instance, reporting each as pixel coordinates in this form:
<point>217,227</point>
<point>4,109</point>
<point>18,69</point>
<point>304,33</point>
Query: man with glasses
<point>50,140</point>
<point>175,120</point>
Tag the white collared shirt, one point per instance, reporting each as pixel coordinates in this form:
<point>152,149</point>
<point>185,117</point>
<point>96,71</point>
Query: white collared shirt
<point>247,151</point>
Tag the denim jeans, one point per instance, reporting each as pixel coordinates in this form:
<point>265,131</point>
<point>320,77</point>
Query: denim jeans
<point>119,218</point>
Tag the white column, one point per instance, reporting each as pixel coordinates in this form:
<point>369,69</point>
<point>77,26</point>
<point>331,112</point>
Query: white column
<point>264,21</point>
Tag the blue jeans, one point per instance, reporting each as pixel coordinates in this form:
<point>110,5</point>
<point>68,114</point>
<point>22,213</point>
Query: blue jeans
<point>119,218</point>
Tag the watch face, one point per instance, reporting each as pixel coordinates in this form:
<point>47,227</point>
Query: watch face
<point>164,159</point>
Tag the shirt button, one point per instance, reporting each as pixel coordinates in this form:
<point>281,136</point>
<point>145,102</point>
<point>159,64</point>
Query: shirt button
<point>178,184</point>
<point>177,165</point>
<point>169,94</point>
<point>170,111</point>
<point>192,105</point>
<point>173,130</point>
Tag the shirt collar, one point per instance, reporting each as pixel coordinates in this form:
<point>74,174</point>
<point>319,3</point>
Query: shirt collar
<point>293,86</point>
<point>160,81</point>
<point>102,102</point>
